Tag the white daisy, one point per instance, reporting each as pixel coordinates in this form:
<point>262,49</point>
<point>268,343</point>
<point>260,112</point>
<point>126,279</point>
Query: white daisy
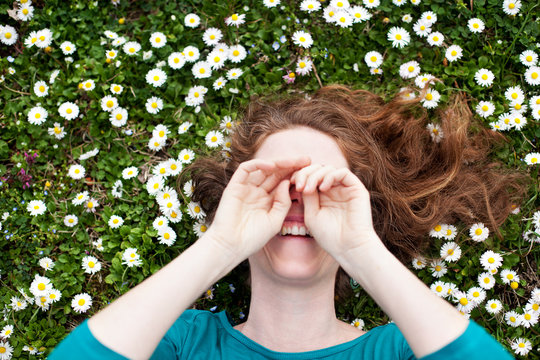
<point>116,89</point>
<point>115,221</point>
<point>435,38</point>
<point>36,207</point>
<point>109,103</point>
<point>8,35</point>
<point>81,302</point>
<point>449,232</point>
<point>310,5</point>
<point>156,77</point>
<point>158,40</point>
<point>409,69</point>
<point>422,80</point>
<point>200,227</point>
<point>54,295</point>
<point>91,205</point>
<point>476,25</point>
<point>422,28</point>
<point>176,60</point>
<point>130,172</point>
<point>131,258</point>
<point>76,171</point>
<point>440,288</point>
<point>44,38</point>
<point>511,7</point>
<point>161,222</point>
<point>25,12</point>
<point>37,115</point>
<point>196,95</point>
<point>521,346</point>
<point>437,268</point>
<point>431,99</point>
<point>90,265</point>
<point>18,304</point>
<point>67,47</point>
<point>329,14</point>
<point>528,58</point>
<point>191,53</point>
<point>195,211</point>
<point>41,89</point>
<point>156,144</point>
<point>532,75</point>
<point>184,127</point>
<point>508,276</point>
<point>155,184</point>
<point>118,117</point>
<point>303,39</point>
<point>214,139</point>
<point>512,318</point>
<point>491,260</point>
<point>517,120</point>
<point>154,105</point>
<point>407,18</point>
<point>111,54</point>
<point>71,220</point>
<point>373,59</point>
<point>478,232</point>
<point>201,70</point>
<point>40,286</point>
<point>484,77</point>
<point>7,350</point>
<point>464,302</point>
<point>188,188</point>
<point>219,83</point>
<point>494,306</point>
<point>486,280</point>
<point>167,236</point>
<point>88,85</point>
<point>46,263</point>
<point>532,158</point>
<point>6,332</point>
<point>131,48</point>
<point>453,53</point>
<point>515,93</point>
<point>212,36</point>
<point>370,4</point>
<point>438,230</point>
<point>450,252</point>
<point>235,19</point>
<point>429,16</point>
<point>476,294</point>
<point>68,110</point>
<point>234,74</point>
<point>528,319</point>
<point>174,166</point>
<point>80,198</point>
<point>398,36</point>
<point>192,20</point>
<point>359,14</point>
<point>485,108</point>
<point>344,19</point>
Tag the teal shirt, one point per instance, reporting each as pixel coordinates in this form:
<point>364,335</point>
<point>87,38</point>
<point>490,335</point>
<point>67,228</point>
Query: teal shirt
<point>200,334</point>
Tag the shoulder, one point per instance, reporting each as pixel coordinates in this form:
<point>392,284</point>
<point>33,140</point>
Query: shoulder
<point>386,342</point>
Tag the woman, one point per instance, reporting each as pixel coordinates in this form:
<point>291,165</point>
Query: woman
<point>340,180</point>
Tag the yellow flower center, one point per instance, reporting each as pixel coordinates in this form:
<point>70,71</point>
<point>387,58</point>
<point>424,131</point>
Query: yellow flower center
<point>438,268</point>
<point>202,71</point>
<point>173,166</point>
<point>88,85</point>
<point>81,302</point>
<point>448,232</point>
<point>511,6</point>
<point>115,221</point>
<point>162,170</point>
<point>196,94</point>
<point>116,88</point>
<point>132,50</point>
<point>41,286</point>
<point>342,19</point>
<point>478,231</point>
<point>485,108</point>
<point>435,38</point>
<point>203,228</point>
<point>491,260</point>
<point>476,294</point>
<point>454,52</point>
<point>110,103</point>
<point>310,6</point>
<point>158,40</point>
<point>212,37</point>
<point>173,214</point>
<point>90,204</point>
<point>450,251</point>
<point>438,288</point>
<point>463,301</point>
<point>191,53</point>
<point>192,20</point>
<point>236,52</point>
<point>493,305</point>
<point>176,60</point>
<point>156,78</point>
<point>234,17</point>
<point>527,316</point>
<point>38,115</point>
<point>167,236</point>
<point>91,264</point>
<point>69,111</point>
<point>484,77</point>
<point>534,75</point>
<point>476,26</point>
<point>197,209</point>
<point>42,88</point>
<point>528,58</point>
<point>118,116</point>
<point>429,97</point>
<point>71,220</point>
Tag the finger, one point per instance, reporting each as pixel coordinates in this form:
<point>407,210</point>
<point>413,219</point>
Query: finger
<point>316,178</point>
<point>341,176</point>
<point>282,202</point>
<point>302,174</point>
<point>246,168</point>
<point>284,168</point>
<point>311,205</point>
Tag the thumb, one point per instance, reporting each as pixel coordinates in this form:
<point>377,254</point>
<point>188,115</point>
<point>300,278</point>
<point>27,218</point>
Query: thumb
<point>282,201</point>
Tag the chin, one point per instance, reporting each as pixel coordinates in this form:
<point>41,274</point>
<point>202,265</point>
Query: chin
<point>295,259</point>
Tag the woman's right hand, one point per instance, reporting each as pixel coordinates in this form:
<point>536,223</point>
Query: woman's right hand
<point>253,205</point>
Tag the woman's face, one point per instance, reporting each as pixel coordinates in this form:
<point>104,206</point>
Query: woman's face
<point>292,258</point>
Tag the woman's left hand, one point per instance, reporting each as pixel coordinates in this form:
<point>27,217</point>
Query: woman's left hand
<point>337,209</point>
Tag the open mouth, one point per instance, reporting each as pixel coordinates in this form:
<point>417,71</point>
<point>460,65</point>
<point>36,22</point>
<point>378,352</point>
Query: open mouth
<point>296,230</point>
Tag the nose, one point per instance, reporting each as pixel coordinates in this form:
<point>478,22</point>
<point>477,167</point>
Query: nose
<point>295,195</point>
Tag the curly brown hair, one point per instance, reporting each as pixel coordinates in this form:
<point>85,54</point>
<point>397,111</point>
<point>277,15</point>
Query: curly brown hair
<point>414,182</point>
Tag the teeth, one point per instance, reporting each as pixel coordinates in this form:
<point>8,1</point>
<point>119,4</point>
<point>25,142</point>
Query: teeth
<point>295,230</point>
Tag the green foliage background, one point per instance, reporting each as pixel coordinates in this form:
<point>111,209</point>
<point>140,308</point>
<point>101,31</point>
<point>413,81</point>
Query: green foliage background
<point>26,239</point>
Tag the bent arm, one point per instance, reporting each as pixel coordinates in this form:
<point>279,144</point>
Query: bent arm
<point>135,323</point>
<point>427,322</point>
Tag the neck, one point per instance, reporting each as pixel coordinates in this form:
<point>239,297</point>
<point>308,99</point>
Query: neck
<point>294,318</point>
